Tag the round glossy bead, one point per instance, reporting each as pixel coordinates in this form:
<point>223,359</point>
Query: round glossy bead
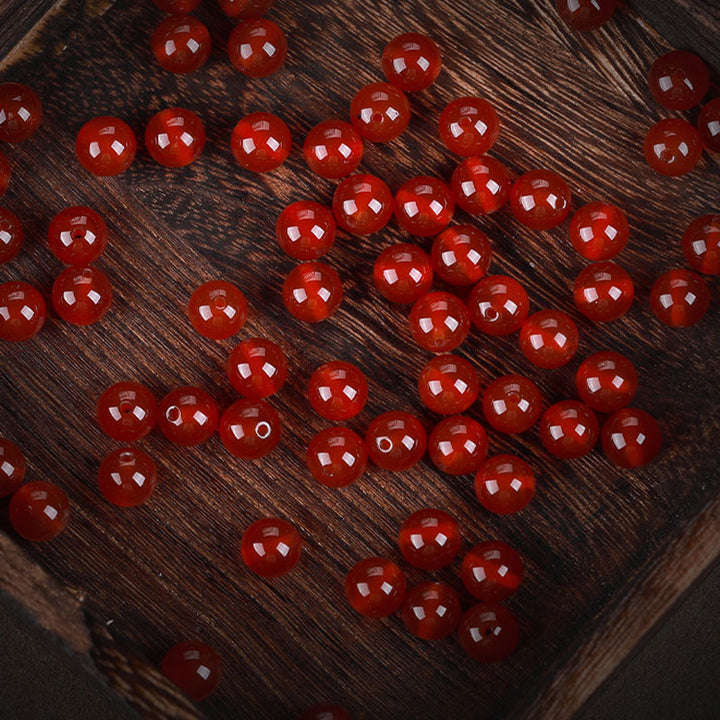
<point>458,445</point>
<point>549,339</point>
<point>12,467</point>
<point>333,149</point>
<point>512,404</point>
<point>504,484</point>
<point>11,235</point>
<point>403,273</point>
<point>461,255</point>
<point>336,457</point>
<point>679,80</point>
<point>177,7</point>
<point>271,547</point>
<point>380,112</point>
<point>175,137</point>
<point>585,15</point>
<point>20,112</point>
<point>429,539</point>
<point>257,47</point>
<point>540,199</point>
<point>606,381</point>
<point>599,231</point>
<point>250,429</point>
<point>631,438</point>
<point>701,244</point>
<point>708,126</point>
<point>127,477</point>
<point>5,174</point>
<point>375,587</point>
<point>105,146</point>
<point>194,667</point>
<point>181,44</point>
<point>488,632</point>
<point>424,206</point>
<point>127,411</point>
<point>257,368</point>
<point>39,511</point>
<point>469,126</point>
<point>261,142</point>
<point>312,292</point>
<point>411,62</point>
<point>679,298</point>
<point>81,295</point>
<point>217,309</point>
<point>431,610</point>
<point>491,570</point>
<point>305,230</point>
<point>187,416</point>
<point>77,236</point>
<point>326,711</point>
<point>439,322</point>
<point>245,8</point>
<point>603,292</point>
<point>672,147</point>
<point>338,390</point>
<point>498,305</point>
<point>481,185</point>
<point>448,385</point>
<point>396,440</point>
<point>569,429</point>
<point>22,311</point>
<point>362,204</point>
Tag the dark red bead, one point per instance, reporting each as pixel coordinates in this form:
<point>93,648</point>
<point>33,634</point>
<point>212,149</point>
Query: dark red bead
<point>569,429</point>
<point>333,149</point>
<point>603,292</point>
<point>250,429</point>
<point>338,390</point>
<point>701,244</point>
<point>439,322</point>
<point>312,292</point>
<point>540,199</point>
<point>375,587</point>
<point>606,381</point>
<point>20,112</point>
<point>672,147</point>
<point>429,539</point>
<point>488,632</point>
<point>549,339</point>
<point>491,570</point>
<point>631,438</point>
<point>271,547</point>
<point>257,47</point>
<point>679,80</point>
<point>127,477</point>
<point>504,484</point>
<point>326,711</point>
<point>77,236</point>
<point>469,126</point>
<point>403,273</point>
<point>461,255</point>
<point>411,62</point>
<point>362,204</point>
<point>448,385</point>
<point>458,445</point>
<point>380,112</point>
<point>512,404</point>
<point>177,7</point>
<point>39,511</point>
<point>336,457</point>
<point>245,8</point>
<point>11,235</point>
<point>498,305</point>
<point>481,185</point>
<point>599,231</point>
<point>305,230</point>
<point>175,137</point>
<point>431,610</point>
<point>261,142</point>
<point>708,125</point>
<point>679,298</point>
<point>106,146</point>
<point>181,44</point>
<point>585,15</point>
<point>257,368</point>
<point>127,411</point>
<point>22,311</point>
<point>194,667</point>
<point>12,467</point>
<point>217,309</point>
<point>82,295</point>
<point>187,416</point>
<point>396,440</point>
<point>424,206</point>
<point>5,174</point>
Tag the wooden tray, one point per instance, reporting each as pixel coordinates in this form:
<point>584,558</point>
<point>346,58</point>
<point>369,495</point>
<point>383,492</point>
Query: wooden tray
<point>606,551</point>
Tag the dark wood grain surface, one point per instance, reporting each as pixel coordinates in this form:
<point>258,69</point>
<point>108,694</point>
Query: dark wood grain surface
<point>605,550</point>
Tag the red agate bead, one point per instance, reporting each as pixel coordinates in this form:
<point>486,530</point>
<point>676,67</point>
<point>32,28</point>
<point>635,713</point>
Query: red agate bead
<point>257,47</point>
<point>81,295</point>
<point>12,467</point>
<point>177,7</point>
<point>333,149</point>
<point>22,311</point>
<point>424,206</point>
<point>448,385</point>
<point>5,174</point>
<point>439,322</point>
<point>491,570</point>
<point>271,547</point>
<point>217,309</point>
<point>599,231</point>
<point>540,199</point>
<point>679,80</point>
<point>679,298</point>
<point>672,147</point>
<point>606,381</point>
<point>39,511</point>
<point>194,667</point>
<point>481,185</point>
<point>245,8</point>
<point>498,305</point>
<point>549,339</point>
<point>458,445</point>
<point>362,204</point>
<point>403,273</point>
<point>325,711</point>
<point>585,15</point>
<point>512,404</point>
<point>469,126</point>
<point>336,457</point>
<point>701,244</point>
<point>461,255</point>
<point>504,484</point>
<point>127,411</point>
<point>127,477</point>
<point>106,146</point>
<point>261,142</point>
<point>429,539</point>
<point>187,416</point>
<point>380,112</point>
<point>250,429</point>
<point>312,291</point>
<point>411,62</point>
<point>305,230</point>
<point>181,44</point>
<point>431,610</point>
<point>488,632</point>
<point>175,137</point>
<point>77,236</point>
<point>20,112</point>
<point>631,438</point>
<point>257,368</point>
<point>375,587</point>
<point>569,429</point>
<point>396,440</point>
<point>603,292</point>
<point>338,390</point>
<point>11,235</point>
<point>708,125</point>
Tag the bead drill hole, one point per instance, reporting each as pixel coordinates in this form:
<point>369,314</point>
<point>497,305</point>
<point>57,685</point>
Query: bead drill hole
<point>377,118</point>
<point>126,407</point>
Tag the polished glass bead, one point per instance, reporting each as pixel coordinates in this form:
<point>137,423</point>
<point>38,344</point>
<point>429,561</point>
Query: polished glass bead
<point>5,174</point>
<point>603,292</point>
<point>194,667</point>
<point>429,539</point>
<point>448,385</point>
<point>250,429</point>
<point>11,235</point>
<point>672,147</point>
<point>708,126</point>
<point>540,199</point>
<point>127,477</point>
<point>338,390</point>
<point>82,295</point>
<point>569,429</point>
<point>257,47</point>
<point>439,322</point>
<point>396,440</point>
<point>333,149</point>
<point>585,15</point>
<point>106,146</point>
<point>549,339</point>
<point>606,381</point>
<point>77,236</point>
<point>403,273</point>
<point>481,185</point>
<point>679,298</point>
<point>22,311</point>
<point>245,8</point>
<point>469,126</point>
<point>312,292</point>
<point>12,467</point>
<point>175,137</point>
<point>127,411</point>
<point>498,305</point>
<point>491,570</point>
<point>431,610</point>
<point>504,484</point>
<point>336,457</point>
<point>424,206</point>
<point>488,632</point>
<point>257,368</point>
<point>177,7</point>
<point>363,204</point>
<point>326,711</point>
<point>187,416</point>
<point>261,142</point>
<point>411,61</point>
<point>217,309</point>
<point>461,255</point>
<point>39,511</point>
<point>271,547</point>
<point>181,44</point>
<point>20,112</point>
<point>305,230</point>
<point>701,244</point>
<point>631,438</point>
<point>375,587</point>
<point>512,404</point>
<point>458,445</point>
<point>599,231</point>
<point>380,112</point>
<point>679,80</point>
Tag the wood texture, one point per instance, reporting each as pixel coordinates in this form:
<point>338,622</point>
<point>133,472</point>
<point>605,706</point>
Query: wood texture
<point>596,540</point>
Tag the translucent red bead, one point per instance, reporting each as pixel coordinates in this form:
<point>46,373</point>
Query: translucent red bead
<point>77,236</point>
<point>261,142</point>
<point>271,547</point>
<point>599,231</point>
<point>175,137</point>
<point>396,440</point>
<point>469,126</point>
<point>439,322</point>
<point>380,112</point>
<point>257,368</point>
<point>672,147</point>
<point>11,235</point>
<point>481,185</point>
<point>606,381</point>
<point>194,667</point>
<point>679,298</point>
<point>20,112</point>
<point>498,305</point>
<point>488,632</point>
<point>250,429</point>
<point>549,339</point>
<point>491,570</point>
<point>375,587</point>
<point>569,429</point>
<point>708,126</point>
<point>338,390</point>
<point>312,292</point>
<point>431,610</point>
<point>181,44</point>
<point>127,477</point>
<point>12,467</point>
<point>458,445</point>
<point>540,199</point>
<point>187,416</point>
<point>429,539</point>
<point>127,411</point>
<point>461,255</point>
<point>217,309</point>
<point>305,230</point>
<point>512,404</point>
<point>701,244</point>
<point>22,311</point>
<point>106,146</point>
<point>257,47</point>
<point>448,385</point>
<point>603,292</point>
<point>333,149</point>
<point>362,204</point>
<point>336,457</point>
<point>424,206</point>
<point>504,484</point>
<point>403,273</point>
<point>585,15</point>
<point>679,80</point>
<point>411,62</point>
<point>39,511</point>
<point>631,438</point>
<point>82,295</point>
